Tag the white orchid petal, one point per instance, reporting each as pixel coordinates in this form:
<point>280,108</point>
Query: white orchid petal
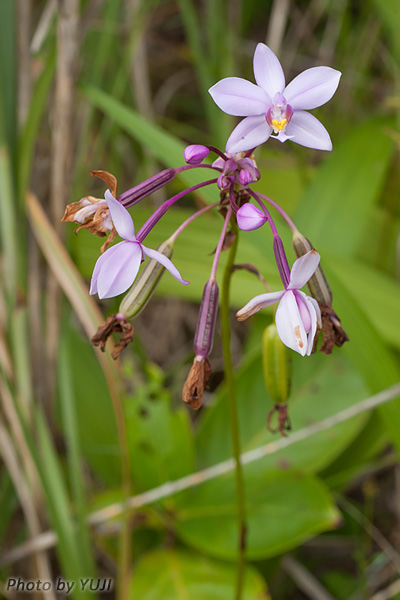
<point>119,270</point>
<point>307,302</point>
<point>268,72</point>
<point>165,261</point>
<point>239,97</point>
<point>312,88</point>
<point>121,218</point>
<point>290,325</point>
<point>306,130</point>
<point>303,268</point>
<point>257,303</point>
<point>250,133</point>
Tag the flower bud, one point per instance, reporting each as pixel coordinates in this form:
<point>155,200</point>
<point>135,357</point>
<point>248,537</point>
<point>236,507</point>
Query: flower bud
<point>277,365</point>
<point>250,217</point>
<point>195,154</point>
<point>204,336</point>
<point>145,285</point>
<point>146,188</point>
<point>245,177</point>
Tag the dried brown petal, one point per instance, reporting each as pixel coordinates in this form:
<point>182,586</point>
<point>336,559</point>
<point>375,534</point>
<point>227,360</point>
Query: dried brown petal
<point>114,324</point>
<point>284,425</point>
<point>108,178</point>
<point>195,383</point>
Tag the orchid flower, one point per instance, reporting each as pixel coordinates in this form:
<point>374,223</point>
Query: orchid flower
<point>116,269</point>
<point>297,314</point>
<point>271,106</point>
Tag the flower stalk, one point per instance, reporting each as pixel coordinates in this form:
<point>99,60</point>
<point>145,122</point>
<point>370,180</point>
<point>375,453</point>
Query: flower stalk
<point>233,412</point>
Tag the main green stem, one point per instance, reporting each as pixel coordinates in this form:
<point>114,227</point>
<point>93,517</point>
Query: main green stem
<point>230,386</point>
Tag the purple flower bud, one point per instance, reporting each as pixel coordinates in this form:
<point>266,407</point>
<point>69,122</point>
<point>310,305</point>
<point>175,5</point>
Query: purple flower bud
<point>204,336</point>
<point>230,166</point>
<point>245,177</point>
<point>144,189</point>
<point>195,154</point>
<point>250,217</point>
<point>223,182</point>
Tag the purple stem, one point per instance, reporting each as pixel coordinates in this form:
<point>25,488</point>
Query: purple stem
<point>216,151</point>
<point>190,219</point>
<point>161,210</point>
<point>220,244</point>
<point>279,251</point>
<point>281,211</point>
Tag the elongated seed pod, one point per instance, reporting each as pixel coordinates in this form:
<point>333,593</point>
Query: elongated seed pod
<point>204,336</point>
<point>145,285</point>
<point>318,285</point>
<point>277,365</point>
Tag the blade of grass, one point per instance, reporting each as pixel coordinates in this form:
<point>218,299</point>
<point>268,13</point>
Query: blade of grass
<point>71,430</point>
<point>164,146</point>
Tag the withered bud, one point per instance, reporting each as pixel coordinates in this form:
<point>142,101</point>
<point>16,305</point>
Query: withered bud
<point>195,383</point>
<point>204,336</point>
<point>318,286</point>
<point>115,323</point>
<point>332,330</point>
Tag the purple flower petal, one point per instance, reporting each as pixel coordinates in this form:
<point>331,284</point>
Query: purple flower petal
<point>250,132</point>
<point>97,267</point>
<point>306,130</point>
<point>303,268</point>
<point>155,255</point>
<point>257,303</point>
<point>312,88</point>
<point>290,325</point>
<point>118,269</point>
<point>240,97</point>
<point>312,316</point>
<point>250,217</point>
<point>268,72</point>
<point>121,218</point>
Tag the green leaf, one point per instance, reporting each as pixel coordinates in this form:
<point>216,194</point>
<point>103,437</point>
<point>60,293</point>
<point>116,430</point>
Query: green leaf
<point>335,209</point>
<point>322,386</point>
<point>282,511</point>
<point>164,146</point>
<point>368,353</point>
<point>177,575</point>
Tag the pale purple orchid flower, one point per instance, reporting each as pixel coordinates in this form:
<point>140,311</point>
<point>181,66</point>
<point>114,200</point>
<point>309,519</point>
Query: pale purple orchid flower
<point>249,217</point>
<point>272,106</point>
<point>297,314</point>
<point>116,269</point>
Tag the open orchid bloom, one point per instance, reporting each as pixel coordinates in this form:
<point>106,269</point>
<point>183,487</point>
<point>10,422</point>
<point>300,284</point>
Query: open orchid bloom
<point>271,106</point>
<point>297,314</point>
<point>116,269</point>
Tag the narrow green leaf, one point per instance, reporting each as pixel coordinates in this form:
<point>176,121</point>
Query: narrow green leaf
<point>71,429</point>
<point>164,146</point>
<point>335,209</point>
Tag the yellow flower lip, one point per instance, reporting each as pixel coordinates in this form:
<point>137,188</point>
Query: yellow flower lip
<point>279,124</point>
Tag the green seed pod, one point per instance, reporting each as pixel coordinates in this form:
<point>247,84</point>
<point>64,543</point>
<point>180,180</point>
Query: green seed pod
<point>317,285</point>
<point>277,365</point>
<point>144,286</point>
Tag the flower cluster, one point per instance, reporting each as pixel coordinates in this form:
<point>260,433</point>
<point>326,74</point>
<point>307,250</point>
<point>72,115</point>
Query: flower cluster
<point>271,109</point>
